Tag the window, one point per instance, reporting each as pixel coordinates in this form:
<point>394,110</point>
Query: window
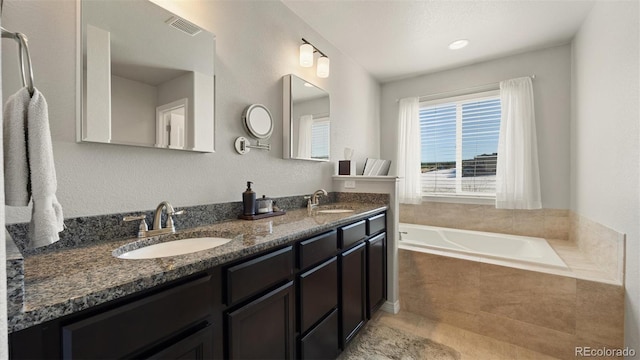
<point>459,143</point>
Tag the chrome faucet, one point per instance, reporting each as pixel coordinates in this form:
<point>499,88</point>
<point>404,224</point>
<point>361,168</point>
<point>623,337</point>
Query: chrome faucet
<point>157,217</point>
<point>313,200</point>
<point>143,230</point>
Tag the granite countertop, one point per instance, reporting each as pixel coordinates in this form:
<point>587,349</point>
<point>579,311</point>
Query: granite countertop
<point>70,280</point>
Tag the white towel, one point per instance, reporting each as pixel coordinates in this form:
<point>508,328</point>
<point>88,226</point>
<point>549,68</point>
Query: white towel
<point>29,166</point>
<point>16,167</point>
<point>46,215</point>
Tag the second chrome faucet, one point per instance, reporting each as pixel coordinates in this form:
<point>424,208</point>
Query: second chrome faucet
<point>314,200</point>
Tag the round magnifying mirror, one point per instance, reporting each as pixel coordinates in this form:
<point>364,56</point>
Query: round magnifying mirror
<point>257,121</point>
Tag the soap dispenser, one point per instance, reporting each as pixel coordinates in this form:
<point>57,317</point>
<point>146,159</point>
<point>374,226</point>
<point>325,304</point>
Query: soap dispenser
<point>249,200</point>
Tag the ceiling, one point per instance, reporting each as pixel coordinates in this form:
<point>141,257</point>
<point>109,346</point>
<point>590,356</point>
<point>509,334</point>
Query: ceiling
<point>394,39</point>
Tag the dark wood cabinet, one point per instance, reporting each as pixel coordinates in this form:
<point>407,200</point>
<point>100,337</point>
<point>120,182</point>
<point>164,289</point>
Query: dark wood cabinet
<point>263,328</point>
<point>376,273</point>
<point>353,292</point>
<point>133,328</point>
<point>306,299</point>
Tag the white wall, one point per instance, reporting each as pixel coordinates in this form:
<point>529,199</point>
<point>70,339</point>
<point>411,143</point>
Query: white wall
<point>605,143</point>
<point>256,44</point>
<point>552,93</point>
<point>133,111</point>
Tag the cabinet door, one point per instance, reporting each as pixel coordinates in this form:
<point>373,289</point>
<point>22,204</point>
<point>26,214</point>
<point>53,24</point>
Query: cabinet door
<point>264,328</point>
<point>376,273</point>
<point>198,346</point>
<point>318,292</point>
<point>322,341</point>
<point>353,295</point>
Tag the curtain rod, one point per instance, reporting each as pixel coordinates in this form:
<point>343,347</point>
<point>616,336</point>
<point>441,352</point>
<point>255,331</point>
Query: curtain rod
<point>457,91</point>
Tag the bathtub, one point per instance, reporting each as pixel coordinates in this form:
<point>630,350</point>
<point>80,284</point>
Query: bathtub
<point>451,242</point>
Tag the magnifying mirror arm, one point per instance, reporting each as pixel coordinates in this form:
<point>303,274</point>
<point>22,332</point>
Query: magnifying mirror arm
<point>243,145</point>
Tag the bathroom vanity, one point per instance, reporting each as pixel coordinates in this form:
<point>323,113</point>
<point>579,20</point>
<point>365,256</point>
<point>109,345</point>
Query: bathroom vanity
<point>301,289</point>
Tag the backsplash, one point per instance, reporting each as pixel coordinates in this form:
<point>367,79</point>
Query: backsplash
<point>90,229</point>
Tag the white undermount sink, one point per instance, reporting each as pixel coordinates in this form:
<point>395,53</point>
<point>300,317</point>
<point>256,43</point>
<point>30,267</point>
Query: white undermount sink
<point>175,247</point>
<point>335,211</point>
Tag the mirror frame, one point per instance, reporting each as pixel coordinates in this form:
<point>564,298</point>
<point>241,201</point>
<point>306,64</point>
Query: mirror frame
<point>250,128</point>
<point>287,120</point>
<point>79,87</point>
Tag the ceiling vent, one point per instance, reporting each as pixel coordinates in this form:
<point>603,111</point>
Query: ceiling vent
<point>184,26</point>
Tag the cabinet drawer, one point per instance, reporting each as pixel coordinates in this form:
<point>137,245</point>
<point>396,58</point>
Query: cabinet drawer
<point>250,277</point>
<point>321,342</point>
<point>318,289</point>
<point>376,224</point>
<point>353,233</point>
<point>124,330</point>
<point>317,248</point>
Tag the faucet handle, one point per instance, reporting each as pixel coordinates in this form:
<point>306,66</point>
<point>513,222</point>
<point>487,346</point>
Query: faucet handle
<point>142,228</point>
<point>169,224</point>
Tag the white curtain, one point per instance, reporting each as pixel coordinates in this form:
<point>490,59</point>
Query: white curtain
<point>517,174</point>
<point>408,163</point>
<point>304,136</point>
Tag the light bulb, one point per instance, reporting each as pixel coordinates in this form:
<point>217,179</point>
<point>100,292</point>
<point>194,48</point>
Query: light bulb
<point>323,67</point>
<point>458,44</point>
<point>306,55</point>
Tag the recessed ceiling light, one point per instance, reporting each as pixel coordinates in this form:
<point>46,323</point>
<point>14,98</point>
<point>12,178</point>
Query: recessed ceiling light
<point>458,44</point>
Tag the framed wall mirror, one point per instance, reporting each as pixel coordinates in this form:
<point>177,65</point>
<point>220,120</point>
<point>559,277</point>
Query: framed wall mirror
<point>147,77</point>
<point>306,121</point>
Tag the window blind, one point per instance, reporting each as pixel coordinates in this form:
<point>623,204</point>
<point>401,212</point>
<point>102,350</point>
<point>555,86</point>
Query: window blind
<point>459,142</point>
<point>319,143</point>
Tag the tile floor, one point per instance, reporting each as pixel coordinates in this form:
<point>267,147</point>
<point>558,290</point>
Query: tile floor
<point>471,346</point>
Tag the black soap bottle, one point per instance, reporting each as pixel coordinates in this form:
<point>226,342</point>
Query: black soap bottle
<point>249,200</point>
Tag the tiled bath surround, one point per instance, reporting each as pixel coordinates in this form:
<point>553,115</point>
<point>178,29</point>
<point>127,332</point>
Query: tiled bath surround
<point>600,244</point>
<point>548,313</point>
<point>545,223</point>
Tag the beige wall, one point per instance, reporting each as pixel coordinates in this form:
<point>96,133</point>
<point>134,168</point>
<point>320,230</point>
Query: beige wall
<point>257,43</point>
<point>552,67</point>
<point>605,144</point>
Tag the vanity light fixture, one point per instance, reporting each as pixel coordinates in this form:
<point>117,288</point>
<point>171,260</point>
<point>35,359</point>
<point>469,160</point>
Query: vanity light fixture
<point>323,67</point>
<point>306,59</point>
<point>458,44</point>
<point>306,55</point>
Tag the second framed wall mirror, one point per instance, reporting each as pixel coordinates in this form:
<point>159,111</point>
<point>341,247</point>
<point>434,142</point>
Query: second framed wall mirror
<point>147,77</point>
<point>306,120</point>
